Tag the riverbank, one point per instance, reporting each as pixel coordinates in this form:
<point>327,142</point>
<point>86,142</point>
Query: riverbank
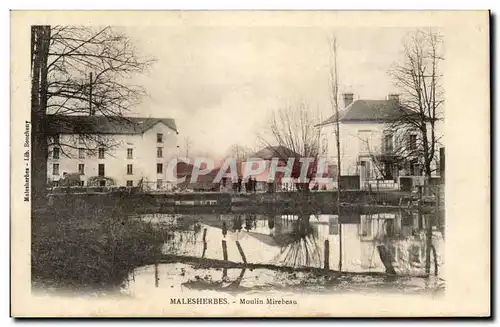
<point>91,242</point>
<point>89,250</point>
<point>283,202</point>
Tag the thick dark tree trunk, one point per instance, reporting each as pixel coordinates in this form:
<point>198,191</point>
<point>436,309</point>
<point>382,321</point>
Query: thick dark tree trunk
<point>39,147</point>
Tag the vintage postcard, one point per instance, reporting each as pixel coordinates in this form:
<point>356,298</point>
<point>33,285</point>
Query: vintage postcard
<point>250,163</point>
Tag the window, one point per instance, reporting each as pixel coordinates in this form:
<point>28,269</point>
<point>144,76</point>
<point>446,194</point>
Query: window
<point>413,142</point>
<point>332,172</point>
<point>159,152</point>
<point>415,168</point>
<point>159,183</point>
<point>324,145</point>
<point>365,169</point>
<point>365,227</point>
<point>159,168</point>
<point>81,169</point>
<point>159,138</point>
<point>55,183</point>
<point>55,153</point>
<point>81,153</point>
<point>56,139</point>
<point>81,139</point>
<point>130,183</point>
<point>388,170</point>
<point>364,137</point>
<point>129,169</point>
<point>130,153</point>
<point>101,153</point>
<point>55,169</point>
<point>102,183</point>
<point>333,226</point>
<point>101,170</point>
<point>388,145</point>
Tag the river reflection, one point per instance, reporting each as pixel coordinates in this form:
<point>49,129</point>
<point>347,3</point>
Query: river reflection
<point>397,242</point>
<point>374,251</point>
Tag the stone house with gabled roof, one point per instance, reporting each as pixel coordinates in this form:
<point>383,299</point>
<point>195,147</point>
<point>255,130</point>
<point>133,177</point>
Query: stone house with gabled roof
<point>279,181</point>
<point>369,148</point>
<point>112,151</point>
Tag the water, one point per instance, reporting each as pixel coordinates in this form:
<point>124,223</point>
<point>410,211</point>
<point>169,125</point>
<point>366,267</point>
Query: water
<point>355,244</point>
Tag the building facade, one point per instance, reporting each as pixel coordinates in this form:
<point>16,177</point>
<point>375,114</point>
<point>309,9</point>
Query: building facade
<point>112,152</point>
<point>370,146</point>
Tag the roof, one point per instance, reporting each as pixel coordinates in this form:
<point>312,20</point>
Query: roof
<point>275,151</point>
<point>369,110</point>
<point>104,124</point>
<point>184,169</point>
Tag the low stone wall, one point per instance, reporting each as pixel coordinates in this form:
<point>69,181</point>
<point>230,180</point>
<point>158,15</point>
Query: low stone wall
<point>212,201</point>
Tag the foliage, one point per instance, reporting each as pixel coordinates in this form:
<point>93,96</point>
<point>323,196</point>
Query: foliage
<point>70,179</point>
<point>95,181</point>
<point>85,249</point>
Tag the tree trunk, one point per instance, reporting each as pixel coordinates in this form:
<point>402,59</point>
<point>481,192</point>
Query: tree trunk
<point>39,146</point>
<point>428,245</point>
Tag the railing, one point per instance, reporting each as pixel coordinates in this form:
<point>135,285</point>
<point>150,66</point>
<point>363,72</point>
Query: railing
<point>379,184</point>
<point>91,189</point>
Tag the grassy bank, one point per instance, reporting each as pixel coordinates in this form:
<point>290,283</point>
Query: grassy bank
<point>81,249</point>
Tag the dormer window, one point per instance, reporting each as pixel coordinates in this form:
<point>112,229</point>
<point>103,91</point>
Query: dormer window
<point>101,153</point>
<point>81,153</point>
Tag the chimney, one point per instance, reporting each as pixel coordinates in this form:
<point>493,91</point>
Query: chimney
<point>394,97</point>
<point>348,99</point>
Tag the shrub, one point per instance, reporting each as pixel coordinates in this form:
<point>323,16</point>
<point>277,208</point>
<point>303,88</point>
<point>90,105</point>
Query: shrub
<point>97,250</point>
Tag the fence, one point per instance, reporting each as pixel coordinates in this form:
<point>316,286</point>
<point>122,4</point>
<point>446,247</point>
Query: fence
<point>375,185</point>
<point>409,183</point>
<point>91,189</point>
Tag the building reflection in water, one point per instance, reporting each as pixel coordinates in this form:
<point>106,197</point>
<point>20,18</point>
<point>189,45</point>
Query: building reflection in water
<point>299,240</point>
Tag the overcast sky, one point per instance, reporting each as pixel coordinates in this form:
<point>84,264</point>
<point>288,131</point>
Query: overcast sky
<point>220,83</point>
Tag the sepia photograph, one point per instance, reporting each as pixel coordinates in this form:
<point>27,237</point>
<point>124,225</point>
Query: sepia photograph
<point>245,163</point>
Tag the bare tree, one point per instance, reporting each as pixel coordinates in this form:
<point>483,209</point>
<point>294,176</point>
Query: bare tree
<point>334,96</point>
<point>419,79</point>
<point>379,164</point>
<point>79,70</point>
<point>239,152</point>
<point>89,72</point>
<point>187,145</point>
<point>334,102</point>
<point>291,132</point>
